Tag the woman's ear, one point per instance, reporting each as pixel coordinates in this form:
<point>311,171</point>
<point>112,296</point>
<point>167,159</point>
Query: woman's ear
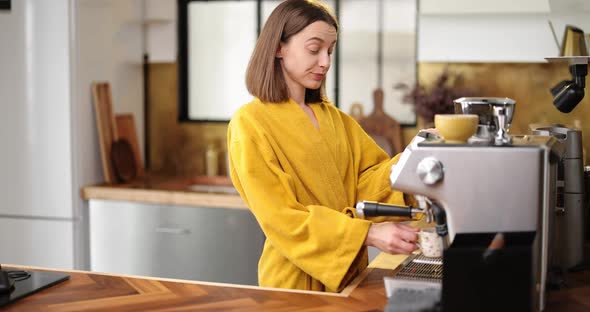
<point>279,53</point>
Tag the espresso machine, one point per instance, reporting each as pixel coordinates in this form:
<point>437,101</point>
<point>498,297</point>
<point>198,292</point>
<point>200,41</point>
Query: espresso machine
<point>567,222</point>
<point>491,200</point>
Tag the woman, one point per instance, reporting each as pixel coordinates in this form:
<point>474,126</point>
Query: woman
<point>300,164</point>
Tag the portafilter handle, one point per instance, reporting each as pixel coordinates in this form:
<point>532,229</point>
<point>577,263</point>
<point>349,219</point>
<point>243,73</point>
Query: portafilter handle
<point>502,136</point>
<point>375,209</point>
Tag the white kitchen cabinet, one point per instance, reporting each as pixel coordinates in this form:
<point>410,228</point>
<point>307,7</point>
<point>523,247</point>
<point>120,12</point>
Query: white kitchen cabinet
<point>569,6</point>
<point>36,242</point>
<point>197,243</point>
<point>483,6</point>
<point>489,38</point>
<point>485,31</point>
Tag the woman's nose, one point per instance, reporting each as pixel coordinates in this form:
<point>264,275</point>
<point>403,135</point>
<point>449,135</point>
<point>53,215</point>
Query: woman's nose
<point>324,60</point>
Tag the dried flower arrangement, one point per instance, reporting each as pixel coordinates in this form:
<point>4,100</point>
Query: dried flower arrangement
<point>438,99</point>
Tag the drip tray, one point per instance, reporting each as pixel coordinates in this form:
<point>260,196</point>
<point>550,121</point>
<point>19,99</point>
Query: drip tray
<point>416,286</point>
<point>421,268</point>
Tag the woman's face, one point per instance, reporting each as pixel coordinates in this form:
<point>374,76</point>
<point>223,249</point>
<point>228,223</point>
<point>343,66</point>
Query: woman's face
<point>306,57</point>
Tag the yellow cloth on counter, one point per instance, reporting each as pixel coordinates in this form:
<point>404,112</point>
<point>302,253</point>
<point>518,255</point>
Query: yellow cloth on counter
<point>301,183</point>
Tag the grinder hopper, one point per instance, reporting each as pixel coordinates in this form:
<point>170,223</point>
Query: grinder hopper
<point>495,115</point>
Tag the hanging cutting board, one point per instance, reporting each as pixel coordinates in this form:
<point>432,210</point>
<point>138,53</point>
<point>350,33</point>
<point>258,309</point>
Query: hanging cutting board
<point>106,127</point>
<point>126,130</point>
<point>123,160</point>
<point>384,129</point>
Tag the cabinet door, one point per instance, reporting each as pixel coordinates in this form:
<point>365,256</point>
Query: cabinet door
<point>482,6</point>
<point>33,242</point>
<point>210,244</point>
<point>123,238</point>
<point>206,244</point>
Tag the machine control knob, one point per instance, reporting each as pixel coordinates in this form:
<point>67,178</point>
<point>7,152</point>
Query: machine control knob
<point>430,170</point>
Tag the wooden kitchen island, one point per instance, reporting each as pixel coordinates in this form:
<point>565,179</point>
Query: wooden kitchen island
<point>87,291</point>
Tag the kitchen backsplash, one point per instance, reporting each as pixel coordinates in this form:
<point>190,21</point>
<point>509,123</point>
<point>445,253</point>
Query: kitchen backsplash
<point>526,83</point>
<point>179,148</point>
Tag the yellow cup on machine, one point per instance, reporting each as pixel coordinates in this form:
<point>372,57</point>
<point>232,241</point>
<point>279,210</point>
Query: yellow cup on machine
<point>456,128</point>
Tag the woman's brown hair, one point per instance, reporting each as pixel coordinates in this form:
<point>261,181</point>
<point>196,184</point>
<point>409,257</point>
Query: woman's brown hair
<point>264,76</point>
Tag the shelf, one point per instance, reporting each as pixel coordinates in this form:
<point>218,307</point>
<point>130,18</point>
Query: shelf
<point>572,60</point>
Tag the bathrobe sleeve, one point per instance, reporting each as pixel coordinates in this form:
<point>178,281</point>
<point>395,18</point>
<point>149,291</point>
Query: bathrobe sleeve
<point>374,168</point>
<point>321,241</point>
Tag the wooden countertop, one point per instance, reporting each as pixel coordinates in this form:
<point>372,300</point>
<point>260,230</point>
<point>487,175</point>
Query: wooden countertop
<point>168,191</point>
<point>87,291</point>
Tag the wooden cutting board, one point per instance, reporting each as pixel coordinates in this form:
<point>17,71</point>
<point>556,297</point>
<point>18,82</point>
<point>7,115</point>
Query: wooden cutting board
<point>123,160</point>
<point>126,130</point>
<point>106,127</point>
<point>384,129</point>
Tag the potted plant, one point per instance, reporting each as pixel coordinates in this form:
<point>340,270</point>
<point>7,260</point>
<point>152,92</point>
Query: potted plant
<point>436,99</point>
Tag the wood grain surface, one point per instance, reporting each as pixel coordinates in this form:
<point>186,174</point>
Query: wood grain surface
<point>87,291</point>
<point>151,188</point>
<point>124,161</point>
<point>106,127</point>
<point>385,130</point>
<point>126,130</point>
<point>98,292</point>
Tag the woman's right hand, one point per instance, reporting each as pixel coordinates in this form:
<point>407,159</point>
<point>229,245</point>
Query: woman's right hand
<point>392,238</point>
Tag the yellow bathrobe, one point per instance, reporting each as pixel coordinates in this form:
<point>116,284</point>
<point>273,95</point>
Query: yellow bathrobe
<point>301,184</point>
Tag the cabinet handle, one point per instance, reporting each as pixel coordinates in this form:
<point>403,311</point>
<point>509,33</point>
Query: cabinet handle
<point>168,230</point>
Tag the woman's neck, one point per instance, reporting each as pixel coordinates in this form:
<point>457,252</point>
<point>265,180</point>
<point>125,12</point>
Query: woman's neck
<point>296,92</point>
<point>299,99</point>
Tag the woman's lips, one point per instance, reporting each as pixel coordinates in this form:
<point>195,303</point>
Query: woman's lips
<point>318,77</point>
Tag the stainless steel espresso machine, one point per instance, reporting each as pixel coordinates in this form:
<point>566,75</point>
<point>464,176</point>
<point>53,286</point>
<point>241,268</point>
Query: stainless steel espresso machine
<point>492,201</point>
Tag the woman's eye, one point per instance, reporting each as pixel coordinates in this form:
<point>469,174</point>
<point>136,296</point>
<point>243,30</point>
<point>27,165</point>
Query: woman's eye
<point>314,51</point>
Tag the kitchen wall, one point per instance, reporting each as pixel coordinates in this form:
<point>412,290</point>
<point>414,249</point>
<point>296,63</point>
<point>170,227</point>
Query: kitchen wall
<point>500,51</point>
<point>527,83</point>
<point>107,43</point>
<point>179,148</point>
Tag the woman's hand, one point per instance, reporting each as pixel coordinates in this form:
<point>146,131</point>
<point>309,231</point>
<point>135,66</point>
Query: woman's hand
<point>392,238</point>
